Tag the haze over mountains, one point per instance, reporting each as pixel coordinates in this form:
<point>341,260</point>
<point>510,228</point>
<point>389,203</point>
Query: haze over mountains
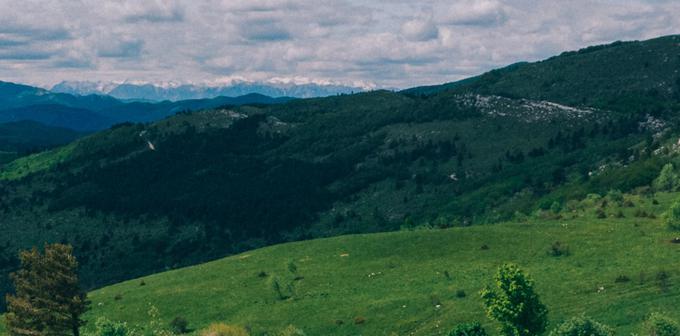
<point>177,91</point>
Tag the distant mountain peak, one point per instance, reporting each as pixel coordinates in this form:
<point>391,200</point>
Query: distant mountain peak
<point>230,87</point>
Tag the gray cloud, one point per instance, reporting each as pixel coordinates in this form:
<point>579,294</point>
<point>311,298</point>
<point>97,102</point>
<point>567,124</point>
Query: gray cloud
<point>173,16</point>
<point>24,55</point>
<point>420,30</point>
<point>122,49</point>
<point>391,43</point>
<point>261,30</point>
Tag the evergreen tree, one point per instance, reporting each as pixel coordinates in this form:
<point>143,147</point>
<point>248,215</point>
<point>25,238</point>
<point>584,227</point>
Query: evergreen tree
<point>515,305</point>
<point>47,299</point>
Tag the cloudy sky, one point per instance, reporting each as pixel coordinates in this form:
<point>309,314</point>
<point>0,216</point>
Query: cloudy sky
<point>391,43</point>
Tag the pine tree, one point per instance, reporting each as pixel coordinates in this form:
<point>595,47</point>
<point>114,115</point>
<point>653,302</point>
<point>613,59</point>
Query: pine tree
<point>47,299</point>
<point>515,305</point>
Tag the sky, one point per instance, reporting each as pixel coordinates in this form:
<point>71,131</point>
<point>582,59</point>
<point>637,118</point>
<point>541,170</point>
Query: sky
<point>373,44</point>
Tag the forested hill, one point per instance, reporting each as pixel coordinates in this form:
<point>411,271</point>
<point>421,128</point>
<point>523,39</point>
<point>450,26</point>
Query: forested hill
<point>139,198</point>
<point>634,76</point>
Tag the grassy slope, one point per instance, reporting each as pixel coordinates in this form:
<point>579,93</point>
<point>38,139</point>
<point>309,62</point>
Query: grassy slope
<point>409,278</point>
<point>34,163</point>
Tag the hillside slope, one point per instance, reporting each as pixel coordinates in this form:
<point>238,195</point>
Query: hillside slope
<point>19,138</point>
<point>635,76</point>
<point>141,198</point>
<point>406,283</point>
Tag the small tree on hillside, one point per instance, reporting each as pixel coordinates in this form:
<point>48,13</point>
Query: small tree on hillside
<point>673,216</point>
<point>667,180</point>
<point>514,304</point>
<point>47,299</point>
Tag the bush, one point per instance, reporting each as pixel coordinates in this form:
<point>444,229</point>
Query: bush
<point>460,294</point>
<point>106,327</point>
<point>557,249</point>
<point>615,196</point>
<point>622,279</point>
<point>291,331</point>
<point>660,325</point>
<point>673,216</point>
<point>667,180</point>
<point>582,326</point>
<point>468,329</point>
<point>179,325</point>
<point>556,207</point>
<point>640,213</point>
<point>222,329</point>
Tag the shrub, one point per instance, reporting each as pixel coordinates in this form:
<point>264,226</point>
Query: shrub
<point>468,329</point>
<point>292,267</point>
<point>179,325</point>
<point>662,279</point>
<point>278,289</point>
<point>291,331</point>
<point>673,216</point>
<point>599,213</point>
<point>556,207</point>
<point>660,325</point>
<point>222,329</point>
<point>557,249</point>
<point>622,279</point>
<point>667,180</point>
<point>460,294</point>
<point>640,213</point>
<point>106,327</point>
<point>582,326</point>
<point>615,196</point>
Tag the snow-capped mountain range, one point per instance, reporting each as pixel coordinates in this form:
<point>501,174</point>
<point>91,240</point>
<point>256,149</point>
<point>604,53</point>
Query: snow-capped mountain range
<point>182,91</point>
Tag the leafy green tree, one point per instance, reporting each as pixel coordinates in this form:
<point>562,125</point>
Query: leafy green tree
<point>48,300</point>
<point>468,329</point>
<point>582,326</point>
<point>667,180</point>
<point>673,216</point>
<point>515,304</point>
<point>660,325</point>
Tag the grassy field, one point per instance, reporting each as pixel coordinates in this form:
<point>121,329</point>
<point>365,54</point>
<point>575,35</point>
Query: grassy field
<point>406,283</point>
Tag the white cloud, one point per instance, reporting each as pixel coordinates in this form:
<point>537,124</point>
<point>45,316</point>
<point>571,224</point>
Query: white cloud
<point>474,12</point>
<point>392,43</point>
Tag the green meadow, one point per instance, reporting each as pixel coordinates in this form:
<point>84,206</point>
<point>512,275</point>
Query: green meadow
<point>423,282</point>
